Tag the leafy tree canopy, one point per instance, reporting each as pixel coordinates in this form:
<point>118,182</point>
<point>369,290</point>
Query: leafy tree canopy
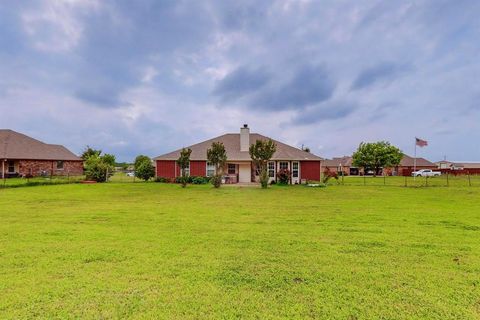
<point>140,159</point>
<point>89,151</point>
<point>109,159</point>
<point>217,156</point>
<point>183,162</point>
<point>376,155</point>
<point>97,169</point>
<point>144,168</point>
<point>261,152</point>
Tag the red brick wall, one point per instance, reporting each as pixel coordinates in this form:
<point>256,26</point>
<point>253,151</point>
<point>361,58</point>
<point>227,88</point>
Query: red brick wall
<point>166,168</point>
<point>310,170</point>
<point>35,168</point>
<point>198,168</point>
<point>334,169</point>
<point>407,171</point>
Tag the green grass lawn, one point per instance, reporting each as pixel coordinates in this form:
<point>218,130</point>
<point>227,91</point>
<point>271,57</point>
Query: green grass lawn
<point>149,250</point>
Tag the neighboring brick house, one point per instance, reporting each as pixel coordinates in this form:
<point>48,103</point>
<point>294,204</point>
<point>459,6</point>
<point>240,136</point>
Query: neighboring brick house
<point>301,164</point>
<point>407,164</point>
<point>24,156</point>
<point>405,168</point>
<point>341,165</point>
<point>459,167</point>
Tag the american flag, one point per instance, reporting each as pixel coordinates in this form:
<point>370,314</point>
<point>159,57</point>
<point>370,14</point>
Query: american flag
<point>421,143</point>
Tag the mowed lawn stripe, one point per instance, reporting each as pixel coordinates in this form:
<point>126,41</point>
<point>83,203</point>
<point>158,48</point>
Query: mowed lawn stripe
<point>147,250</point>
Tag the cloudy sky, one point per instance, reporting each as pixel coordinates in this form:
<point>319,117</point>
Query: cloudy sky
<point>143,76</point>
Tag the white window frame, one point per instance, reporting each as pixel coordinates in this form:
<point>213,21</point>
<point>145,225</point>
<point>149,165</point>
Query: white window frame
<point>62,166</point>
<point>271,171</point>
<point>297,170</point>
<point>211,168</point>
<point>187,170</point>
<point>280,165</point>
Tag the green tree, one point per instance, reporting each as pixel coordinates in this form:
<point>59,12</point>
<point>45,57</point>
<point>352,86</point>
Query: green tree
<point>217,156</point>
<point>140,159</point>
<point>109,159</point>
<point>376,155</point>
<point>98,168</point>
<point>261,152</point>
<point>143,168</point>
<point>184,162</point>
<point>89,151</point>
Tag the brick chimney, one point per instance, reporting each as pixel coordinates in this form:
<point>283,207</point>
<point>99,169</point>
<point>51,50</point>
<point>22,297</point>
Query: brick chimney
<point>244,138</point>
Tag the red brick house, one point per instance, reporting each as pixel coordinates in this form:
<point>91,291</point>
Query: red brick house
<point>301,164</point>
<point>24,156</point>
<point>407,165</point>
<point>341,165</point>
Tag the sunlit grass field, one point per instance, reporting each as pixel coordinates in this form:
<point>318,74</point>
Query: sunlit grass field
<point>157,251</point>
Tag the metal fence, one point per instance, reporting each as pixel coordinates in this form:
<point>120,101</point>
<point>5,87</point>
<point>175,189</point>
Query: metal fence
<point>445,180</point>
<point>37,181</point>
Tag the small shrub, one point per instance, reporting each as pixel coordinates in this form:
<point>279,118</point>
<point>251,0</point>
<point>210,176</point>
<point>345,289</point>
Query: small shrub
<point>162,179</point>
<point>200,180</point>
<point>283,176</point>
<point>216,180</point>
<point>327,175</point>
<point>98,168</point>
<point>188,179</point>
<point>144,168</point>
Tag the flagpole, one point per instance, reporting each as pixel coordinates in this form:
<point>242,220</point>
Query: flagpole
<point>415,159</point>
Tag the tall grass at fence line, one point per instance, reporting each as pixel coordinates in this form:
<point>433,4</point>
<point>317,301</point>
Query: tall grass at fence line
<point>413,182</point>
<point>38,181</point>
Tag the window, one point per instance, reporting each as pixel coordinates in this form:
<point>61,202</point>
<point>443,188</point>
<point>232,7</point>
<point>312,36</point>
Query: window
<point>271,169</point>
<point>187,170</point>
<point>60,165</point>
<point>295,169</point>
<point>283,165</point>
<point>232,168</point>
<point>11,166</point>
<point>210,169</point>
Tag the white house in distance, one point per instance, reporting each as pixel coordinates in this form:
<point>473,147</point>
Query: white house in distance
<point>240,168</point>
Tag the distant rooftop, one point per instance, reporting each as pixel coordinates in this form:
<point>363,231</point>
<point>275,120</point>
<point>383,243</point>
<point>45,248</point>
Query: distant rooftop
<point>15,145</point>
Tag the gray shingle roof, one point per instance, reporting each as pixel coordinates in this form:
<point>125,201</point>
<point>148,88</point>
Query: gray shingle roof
<point>15,145</point>
<point>231,142</point>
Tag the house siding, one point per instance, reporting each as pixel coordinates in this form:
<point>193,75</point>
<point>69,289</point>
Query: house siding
<point>166,168</point>
<point>198,168</point>
<point>310,170</point>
